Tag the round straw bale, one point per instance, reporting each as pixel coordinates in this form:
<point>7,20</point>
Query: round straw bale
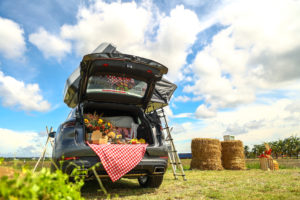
<point>233,156</point>
<point>206,154</point>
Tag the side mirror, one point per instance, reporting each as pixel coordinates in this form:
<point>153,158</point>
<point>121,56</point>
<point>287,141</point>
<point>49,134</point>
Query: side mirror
<point>52,134</point>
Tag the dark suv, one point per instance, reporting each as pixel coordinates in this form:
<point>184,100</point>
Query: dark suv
<point>89,89</point>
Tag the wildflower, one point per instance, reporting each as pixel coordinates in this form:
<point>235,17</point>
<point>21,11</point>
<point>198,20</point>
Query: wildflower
<point>100,121</point>
<point>86,121</point>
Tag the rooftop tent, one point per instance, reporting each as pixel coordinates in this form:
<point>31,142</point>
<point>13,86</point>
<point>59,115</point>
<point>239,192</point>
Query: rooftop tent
<point>162,92</point>
<point>71,89</point>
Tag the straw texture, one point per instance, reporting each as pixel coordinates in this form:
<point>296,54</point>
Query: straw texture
<point>233,156</point>
<point>206,154</point>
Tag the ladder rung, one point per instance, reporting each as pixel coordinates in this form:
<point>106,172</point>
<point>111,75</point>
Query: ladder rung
<point>180,174</point>
<point>175,163</point>
<point>173,151</point>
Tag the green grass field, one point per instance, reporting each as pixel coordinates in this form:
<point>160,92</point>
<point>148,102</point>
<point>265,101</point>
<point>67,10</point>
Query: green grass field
<point>226,184</point>
<point>248,184</point>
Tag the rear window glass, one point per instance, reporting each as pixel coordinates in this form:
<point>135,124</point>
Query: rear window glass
<point>114,84</point>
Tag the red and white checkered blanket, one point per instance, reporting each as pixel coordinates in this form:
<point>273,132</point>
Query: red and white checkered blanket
<point>118,159</point>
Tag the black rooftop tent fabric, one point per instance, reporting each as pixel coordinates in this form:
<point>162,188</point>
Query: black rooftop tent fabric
<point>162,94</point>
<point>71,89</point>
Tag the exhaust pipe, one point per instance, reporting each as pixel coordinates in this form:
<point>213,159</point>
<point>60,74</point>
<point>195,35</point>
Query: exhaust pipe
<point>159,170</point>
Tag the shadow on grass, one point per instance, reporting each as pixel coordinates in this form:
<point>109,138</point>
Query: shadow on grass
<point>120,188</point>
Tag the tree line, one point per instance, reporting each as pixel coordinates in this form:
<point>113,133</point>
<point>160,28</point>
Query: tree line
<point>288,147</point>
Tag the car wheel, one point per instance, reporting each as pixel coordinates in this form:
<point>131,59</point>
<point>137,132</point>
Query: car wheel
<point>150,181</point>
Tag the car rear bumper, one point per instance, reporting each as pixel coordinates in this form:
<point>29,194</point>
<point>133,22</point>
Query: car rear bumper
<point>147,166</point>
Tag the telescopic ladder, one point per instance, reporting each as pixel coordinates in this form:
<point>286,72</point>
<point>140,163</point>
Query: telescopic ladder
<point>172,153</point>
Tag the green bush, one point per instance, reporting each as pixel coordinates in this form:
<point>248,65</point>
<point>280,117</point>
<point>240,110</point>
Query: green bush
<point>253,165</point>
<point>40,185</point>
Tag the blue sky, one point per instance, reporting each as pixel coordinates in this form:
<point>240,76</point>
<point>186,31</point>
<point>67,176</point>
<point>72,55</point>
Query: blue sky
<point>236,63</point>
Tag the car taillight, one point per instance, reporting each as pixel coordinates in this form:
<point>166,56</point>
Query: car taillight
<point>105,65</point>
<point>69,124</point>
<point>149,71</point>
<point>69,158</point>
<point>164,157</point>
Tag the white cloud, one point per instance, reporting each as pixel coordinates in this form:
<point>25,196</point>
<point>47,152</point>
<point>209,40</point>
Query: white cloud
<point>137,29</point>
<point>22,96</point>
<point>182,99</point>
<point>50,45</point>
<point>269,32</point>
<point>293,107</point>
<point>238,129</point>
<point>258,50</point>
<point>184,115</point>
<point>16,143</point>
<point>123,24</point>
<point>175,36</point>
<point>168,112</point>
<point>204,112</point>
<point>12,42</point>
<point>253,124</point>
<point>215,87</point>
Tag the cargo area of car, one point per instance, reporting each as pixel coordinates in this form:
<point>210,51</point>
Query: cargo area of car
<point>127,121</point>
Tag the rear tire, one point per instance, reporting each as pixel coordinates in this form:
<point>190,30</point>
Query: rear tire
<point>150,181</point>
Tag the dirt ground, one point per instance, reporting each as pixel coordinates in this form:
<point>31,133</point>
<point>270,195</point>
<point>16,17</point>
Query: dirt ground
<point>5,171</point>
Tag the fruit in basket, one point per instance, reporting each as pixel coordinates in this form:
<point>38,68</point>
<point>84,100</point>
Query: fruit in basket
<point>142,141</point>
<point>111,135</point>
<point>119,136</point>
<point>120,142</point>
<point>134,141</point>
